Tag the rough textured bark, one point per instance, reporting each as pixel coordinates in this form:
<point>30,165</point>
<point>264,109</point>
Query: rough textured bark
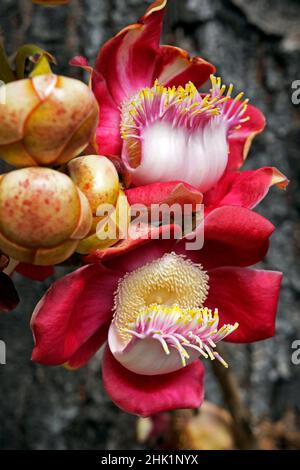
<point>255,44</point>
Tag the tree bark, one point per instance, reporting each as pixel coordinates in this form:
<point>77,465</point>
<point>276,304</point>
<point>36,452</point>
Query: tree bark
<point>255,44</point>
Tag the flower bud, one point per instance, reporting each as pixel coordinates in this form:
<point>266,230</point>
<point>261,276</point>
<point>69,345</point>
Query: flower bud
<point>43,215</point>
<point>210,428</point>
<point>97,178</point>
<point>46,120</point>
<point>107,230</point>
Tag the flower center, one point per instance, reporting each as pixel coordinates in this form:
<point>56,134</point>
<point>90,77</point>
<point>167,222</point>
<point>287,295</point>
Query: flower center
<point>160,324</point>
<point>171,280</point>
<point>177,134</point>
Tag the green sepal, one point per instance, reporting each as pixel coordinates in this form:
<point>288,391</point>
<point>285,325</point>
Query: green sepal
<point>39,57</point>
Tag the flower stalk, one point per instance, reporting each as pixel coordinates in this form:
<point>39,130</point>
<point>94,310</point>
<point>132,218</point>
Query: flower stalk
<point>242,430</point>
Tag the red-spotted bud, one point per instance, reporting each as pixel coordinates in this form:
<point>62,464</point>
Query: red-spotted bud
<point>43,216</point>
<point>97,178</point>
<point>46,120</point>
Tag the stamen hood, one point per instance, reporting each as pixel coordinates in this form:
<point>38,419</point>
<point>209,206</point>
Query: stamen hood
<point>160,324</point>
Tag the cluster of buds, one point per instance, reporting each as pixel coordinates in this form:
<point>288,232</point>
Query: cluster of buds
<point>47,214</point>
<point>157,304</point>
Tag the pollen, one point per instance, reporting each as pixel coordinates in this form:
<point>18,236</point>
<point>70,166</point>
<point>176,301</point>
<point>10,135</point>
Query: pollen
<point>180,107</point>
<point>172,282</point>
<point>185,330</point>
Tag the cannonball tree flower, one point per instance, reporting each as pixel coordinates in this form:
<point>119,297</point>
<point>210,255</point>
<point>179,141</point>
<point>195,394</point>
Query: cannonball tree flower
<point>98,179</point>
<point>159,309</point>
<point>148,100</point>
<point>169,131</point>
<point>132,61</point>
<point>52,121</point>
<point>43,215</point>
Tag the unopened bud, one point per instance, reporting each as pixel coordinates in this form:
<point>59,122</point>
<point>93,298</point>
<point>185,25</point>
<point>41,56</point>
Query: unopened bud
<point>43,215</point>
<point>97,178</point>
<point>107,229</point>
<point>46,120</point>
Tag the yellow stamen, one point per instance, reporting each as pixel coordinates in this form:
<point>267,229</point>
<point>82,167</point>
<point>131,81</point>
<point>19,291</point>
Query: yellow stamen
<point>172,282</point>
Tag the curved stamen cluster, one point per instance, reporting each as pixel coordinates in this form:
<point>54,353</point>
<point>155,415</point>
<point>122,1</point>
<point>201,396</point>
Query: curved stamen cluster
<point>181,107</point>
<point>232,112</point>
<point>182,329</point>
<point>172,134</point>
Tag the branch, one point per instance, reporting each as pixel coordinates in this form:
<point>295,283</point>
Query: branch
<point>242,431</point>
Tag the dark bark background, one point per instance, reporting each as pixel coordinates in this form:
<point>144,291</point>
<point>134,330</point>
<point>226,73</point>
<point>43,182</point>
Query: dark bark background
<point>255,44</point>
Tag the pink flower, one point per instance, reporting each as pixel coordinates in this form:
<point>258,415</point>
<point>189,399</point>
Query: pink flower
<point>159,311</point>
<point>169,131</point>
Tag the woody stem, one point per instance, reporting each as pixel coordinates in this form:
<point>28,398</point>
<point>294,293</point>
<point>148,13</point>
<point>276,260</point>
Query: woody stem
<point>244,436</point>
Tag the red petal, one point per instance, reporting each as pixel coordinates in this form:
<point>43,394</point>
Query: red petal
<point>233,236</point>
<point>89,349</point>
<point>108,131</point>
<point>80,61</point>
<point>174,192</point>
<point>9,298</point>
<point>127,60</point>
<point>246,296</point>
<point>175,67</point>
<point>244,189</point>
<point>147,395</point>
<point>131,253</point>
<point>240,140</point>
<point>71,312</point>
<point>37,273</point>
